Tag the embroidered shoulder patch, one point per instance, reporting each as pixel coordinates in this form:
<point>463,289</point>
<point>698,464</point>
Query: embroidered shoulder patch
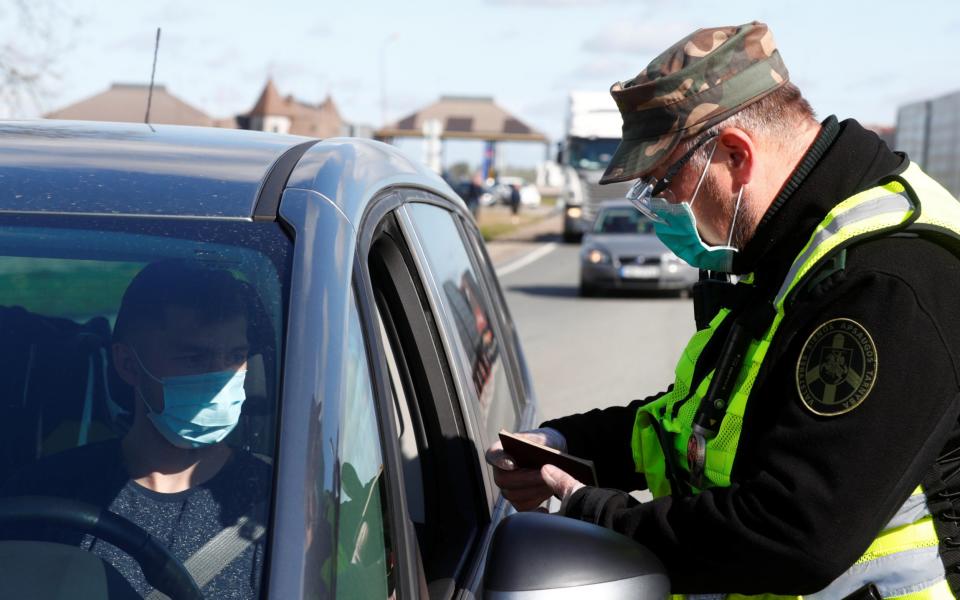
<point>837,367</point>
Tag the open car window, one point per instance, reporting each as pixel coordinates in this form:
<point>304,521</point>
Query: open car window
<point>67,414</point>
<point>469,319</point>
<point>440,467</point>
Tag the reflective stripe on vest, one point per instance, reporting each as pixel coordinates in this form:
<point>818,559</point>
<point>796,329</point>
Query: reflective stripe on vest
<point>908,545</point>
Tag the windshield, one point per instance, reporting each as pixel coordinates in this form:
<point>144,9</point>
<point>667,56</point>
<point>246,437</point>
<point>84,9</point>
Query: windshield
<point>622,220</point>
<point>591,154</point>
<point>140,376</point>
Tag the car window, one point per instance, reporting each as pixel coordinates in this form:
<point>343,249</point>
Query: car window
<point>365,565</point>
<point>407,432</point>
<point>622,220</point>
<point>467,316</point>
<point>440,470</point>
<point>128,345</point>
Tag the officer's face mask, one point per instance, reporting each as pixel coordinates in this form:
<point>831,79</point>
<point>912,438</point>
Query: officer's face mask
<point>198,410</point>
<point>674,222</point>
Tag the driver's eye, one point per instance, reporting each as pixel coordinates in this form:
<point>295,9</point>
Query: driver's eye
<point>193,360</point>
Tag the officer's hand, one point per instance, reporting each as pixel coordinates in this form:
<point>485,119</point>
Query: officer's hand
<point>524,488</point>
<point>561,483</point>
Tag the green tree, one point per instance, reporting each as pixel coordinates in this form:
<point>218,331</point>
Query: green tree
<point>461,170</point>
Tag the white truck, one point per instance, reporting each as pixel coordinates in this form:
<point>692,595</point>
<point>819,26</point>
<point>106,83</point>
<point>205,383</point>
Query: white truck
<point>593,132</point>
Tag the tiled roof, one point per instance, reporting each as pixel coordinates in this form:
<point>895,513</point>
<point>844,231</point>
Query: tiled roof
<point>269,103</point>
<point>321,120</point>
<point>465,117</point>
<point>127,103</point>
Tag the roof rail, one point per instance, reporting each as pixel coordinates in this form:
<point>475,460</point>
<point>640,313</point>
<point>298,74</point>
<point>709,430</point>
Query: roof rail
<point>268,199</point>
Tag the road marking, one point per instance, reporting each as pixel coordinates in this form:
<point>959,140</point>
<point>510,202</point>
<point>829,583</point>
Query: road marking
<point>526,259</point>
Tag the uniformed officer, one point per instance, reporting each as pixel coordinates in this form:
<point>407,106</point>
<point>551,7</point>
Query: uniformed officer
<point>810,443</point>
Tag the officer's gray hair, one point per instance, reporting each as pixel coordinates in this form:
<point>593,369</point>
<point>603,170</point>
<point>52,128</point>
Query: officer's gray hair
<point>775,116</point>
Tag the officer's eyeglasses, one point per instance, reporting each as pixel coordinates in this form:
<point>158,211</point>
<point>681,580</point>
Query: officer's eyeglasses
<point>646,188</point>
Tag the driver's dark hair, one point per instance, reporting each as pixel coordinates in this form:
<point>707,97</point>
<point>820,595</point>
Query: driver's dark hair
<point>213,292</point>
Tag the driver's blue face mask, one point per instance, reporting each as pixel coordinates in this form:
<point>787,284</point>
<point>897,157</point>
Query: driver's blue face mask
<point>198,410</point>
<point>674,222</point>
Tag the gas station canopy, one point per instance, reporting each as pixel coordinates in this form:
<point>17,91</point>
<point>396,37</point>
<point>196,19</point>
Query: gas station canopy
<point>465,118</point>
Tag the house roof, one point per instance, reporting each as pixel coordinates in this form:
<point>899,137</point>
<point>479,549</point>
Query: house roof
<point>319,120</point>
<point>127,103</point>
<point>465,117</point>
<point>269,102</point>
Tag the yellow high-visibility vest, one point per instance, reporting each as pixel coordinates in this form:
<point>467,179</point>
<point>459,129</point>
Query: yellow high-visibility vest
<point>903,560</point>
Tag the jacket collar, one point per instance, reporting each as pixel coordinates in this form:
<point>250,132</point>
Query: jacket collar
<point>843,160</point>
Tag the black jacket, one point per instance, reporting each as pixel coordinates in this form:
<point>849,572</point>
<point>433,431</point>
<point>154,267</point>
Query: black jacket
<point>809,493</point>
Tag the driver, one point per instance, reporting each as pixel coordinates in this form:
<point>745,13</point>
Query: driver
<point>181,343</point>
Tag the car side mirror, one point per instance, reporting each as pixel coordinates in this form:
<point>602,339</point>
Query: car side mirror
<point>537,555</point>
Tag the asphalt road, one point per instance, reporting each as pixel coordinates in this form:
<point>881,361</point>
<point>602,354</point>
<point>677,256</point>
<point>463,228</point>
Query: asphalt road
<point>587,353</point>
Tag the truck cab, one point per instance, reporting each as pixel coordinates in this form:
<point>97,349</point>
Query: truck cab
<point>592,133</point>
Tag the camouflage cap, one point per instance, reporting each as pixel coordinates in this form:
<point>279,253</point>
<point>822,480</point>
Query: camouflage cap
<point>696,83</point>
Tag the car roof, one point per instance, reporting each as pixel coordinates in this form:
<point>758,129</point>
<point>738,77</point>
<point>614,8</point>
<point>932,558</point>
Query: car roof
<point>349,172</point>
<point>618,204</point>
<point>135,169</point>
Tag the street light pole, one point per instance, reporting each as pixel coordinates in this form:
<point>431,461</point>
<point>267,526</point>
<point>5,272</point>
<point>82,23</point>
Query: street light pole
<point>383,75</point>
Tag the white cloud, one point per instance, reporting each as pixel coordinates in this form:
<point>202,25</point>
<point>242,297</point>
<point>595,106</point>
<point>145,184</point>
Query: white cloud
<point>607,68</point>
<point>224,59</point>
<point>322,29</point>
<point>401,105</point>
<point>177,11</point>
<point>546,115</point>
<point>144,40</point>
<point>349,84</point>
<point>508,34</point>
<point>285,70</point>
<point>555,3</point>
<point>631,37</point>
<point>549,107</point>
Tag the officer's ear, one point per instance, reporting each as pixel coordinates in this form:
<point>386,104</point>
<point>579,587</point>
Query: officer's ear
<point>738,150</point>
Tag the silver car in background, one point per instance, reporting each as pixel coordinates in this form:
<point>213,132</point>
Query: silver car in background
<point>622,252</point>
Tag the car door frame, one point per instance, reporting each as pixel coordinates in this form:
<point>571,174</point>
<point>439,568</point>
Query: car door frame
<point>384,206</point>
<point>324,257</point>
<point>518,382</point>
<point>356,243</point>
<point>467,392</point>
<point>384,202</point>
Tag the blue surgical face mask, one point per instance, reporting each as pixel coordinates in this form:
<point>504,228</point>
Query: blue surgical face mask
<point>676,225</point>
<point>198,410</point>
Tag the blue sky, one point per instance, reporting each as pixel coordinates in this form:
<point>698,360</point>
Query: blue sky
<point>854,59</point>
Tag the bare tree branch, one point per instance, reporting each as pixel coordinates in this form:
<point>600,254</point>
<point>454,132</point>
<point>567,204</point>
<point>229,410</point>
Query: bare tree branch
<point>35,33</point>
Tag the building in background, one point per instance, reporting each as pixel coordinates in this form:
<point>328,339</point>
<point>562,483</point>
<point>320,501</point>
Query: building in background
<point>127,103</point>
<point>929,132</point>
<point>275,113</point>
<point>462,118</point>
